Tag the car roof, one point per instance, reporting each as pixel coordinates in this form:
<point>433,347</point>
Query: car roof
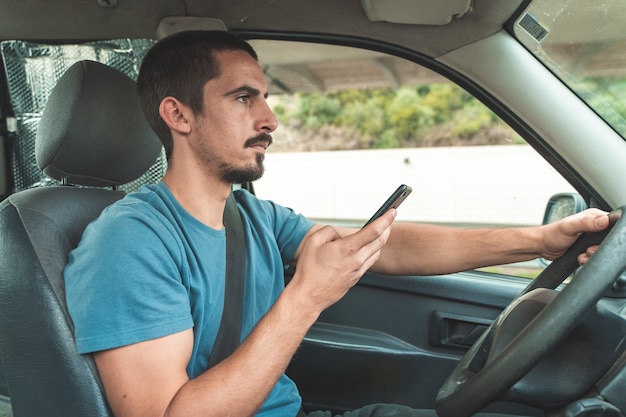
<point>71,20</point>
<point>430,28</point>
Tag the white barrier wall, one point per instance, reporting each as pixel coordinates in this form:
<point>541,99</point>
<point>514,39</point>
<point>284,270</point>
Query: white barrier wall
<point>499,185</point>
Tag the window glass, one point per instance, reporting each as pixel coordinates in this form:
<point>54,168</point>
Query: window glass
<point>32,71</point>
<point>584,44</point>
<point>356,124</point>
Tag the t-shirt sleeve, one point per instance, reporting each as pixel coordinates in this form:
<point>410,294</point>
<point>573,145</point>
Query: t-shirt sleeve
<point>288,227</point>
<point>123,282</point>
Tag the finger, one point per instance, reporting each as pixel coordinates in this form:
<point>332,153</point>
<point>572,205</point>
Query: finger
<point>365,244</point>
<point>584,257</point>
<point>590,220</point>
<point>369,262</point>
<point>379,240</point>
<point>324,235</point>
<point>594,220</point>
<point>377,227</point>
<point>601,221</point>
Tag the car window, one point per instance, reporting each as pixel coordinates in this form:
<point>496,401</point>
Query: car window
<point>32,70</point>
<point>354,124</point>
<point>584,44</point>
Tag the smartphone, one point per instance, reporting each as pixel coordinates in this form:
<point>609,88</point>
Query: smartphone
<point>398,196</point>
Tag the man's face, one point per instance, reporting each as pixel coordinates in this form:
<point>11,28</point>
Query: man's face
<point>234,129</point>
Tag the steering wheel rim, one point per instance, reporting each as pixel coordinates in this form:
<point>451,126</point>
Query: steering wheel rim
<point>466,392</point>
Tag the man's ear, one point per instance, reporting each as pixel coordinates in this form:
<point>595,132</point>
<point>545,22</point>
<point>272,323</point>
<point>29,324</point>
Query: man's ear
<point>175,115</point>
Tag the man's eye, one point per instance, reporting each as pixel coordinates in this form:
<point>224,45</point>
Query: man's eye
<point>243,99</point>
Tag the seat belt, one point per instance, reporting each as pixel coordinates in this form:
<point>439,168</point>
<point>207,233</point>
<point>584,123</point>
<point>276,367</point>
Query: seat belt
<point>229,333</point>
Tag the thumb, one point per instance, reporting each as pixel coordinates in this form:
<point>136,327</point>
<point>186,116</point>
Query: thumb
<point>602,222</point>
<point>590,220</point>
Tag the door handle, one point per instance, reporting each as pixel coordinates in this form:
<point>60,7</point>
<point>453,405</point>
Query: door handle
<point>456,331</point>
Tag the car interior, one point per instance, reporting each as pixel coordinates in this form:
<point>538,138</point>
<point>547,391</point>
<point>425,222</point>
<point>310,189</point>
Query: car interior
<point>496,113</point>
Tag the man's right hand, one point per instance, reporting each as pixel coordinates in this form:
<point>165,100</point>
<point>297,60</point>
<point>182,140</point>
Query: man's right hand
<point>328,265</point>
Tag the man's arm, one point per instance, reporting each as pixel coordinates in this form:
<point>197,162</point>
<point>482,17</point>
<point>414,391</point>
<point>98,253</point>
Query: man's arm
<point>150,379</point>
<point>422,249</point>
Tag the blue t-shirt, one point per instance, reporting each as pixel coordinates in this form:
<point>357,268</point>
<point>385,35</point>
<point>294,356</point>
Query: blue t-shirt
<point>146,268</point>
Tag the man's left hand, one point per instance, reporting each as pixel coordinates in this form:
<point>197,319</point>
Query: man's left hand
<point>559,236</point>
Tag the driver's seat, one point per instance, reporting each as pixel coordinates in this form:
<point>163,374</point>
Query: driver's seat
<point>92,133</point>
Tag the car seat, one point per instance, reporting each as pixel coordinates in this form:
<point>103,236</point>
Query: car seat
<point>92,134</point>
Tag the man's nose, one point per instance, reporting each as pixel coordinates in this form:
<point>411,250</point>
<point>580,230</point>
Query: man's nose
<point>267,120</point>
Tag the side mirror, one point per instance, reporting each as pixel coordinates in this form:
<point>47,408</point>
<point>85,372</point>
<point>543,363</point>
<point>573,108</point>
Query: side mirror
<point>562,205</point>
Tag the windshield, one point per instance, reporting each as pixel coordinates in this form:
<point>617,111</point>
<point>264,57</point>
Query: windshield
<point>584,43</point>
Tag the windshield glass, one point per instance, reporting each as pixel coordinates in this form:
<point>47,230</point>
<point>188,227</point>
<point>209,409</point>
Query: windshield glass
<point>584,43</point>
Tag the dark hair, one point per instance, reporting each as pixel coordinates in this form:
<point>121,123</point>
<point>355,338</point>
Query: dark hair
<point>179,66</point>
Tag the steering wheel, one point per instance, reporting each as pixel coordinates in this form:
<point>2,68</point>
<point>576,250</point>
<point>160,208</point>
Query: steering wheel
<point>490,368</point>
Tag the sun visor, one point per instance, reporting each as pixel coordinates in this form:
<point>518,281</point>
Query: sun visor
<point>415,12</point>
<point>174,24</point>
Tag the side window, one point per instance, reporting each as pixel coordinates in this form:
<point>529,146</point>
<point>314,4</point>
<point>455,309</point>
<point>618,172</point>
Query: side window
<point>355,124</point>
<point>32,70</point>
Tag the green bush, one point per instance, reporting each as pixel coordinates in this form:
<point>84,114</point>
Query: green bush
<point>471,121</point>
<point>408,115</point>
<point>367,118</point>
<point>317,110</point>
<point>436,114</point>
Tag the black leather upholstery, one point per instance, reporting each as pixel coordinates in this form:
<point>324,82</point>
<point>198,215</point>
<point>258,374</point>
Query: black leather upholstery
<point>92,133</point>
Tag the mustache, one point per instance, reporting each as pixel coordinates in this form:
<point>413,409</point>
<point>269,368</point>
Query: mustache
<point>260,138</point>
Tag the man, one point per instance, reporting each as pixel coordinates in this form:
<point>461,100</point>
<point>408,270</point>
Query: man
<point>148,300</point>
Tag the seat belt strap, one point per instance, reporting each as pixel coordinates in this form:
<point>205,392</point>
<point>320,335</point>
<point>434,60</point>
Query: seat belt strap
<point>229,333</point>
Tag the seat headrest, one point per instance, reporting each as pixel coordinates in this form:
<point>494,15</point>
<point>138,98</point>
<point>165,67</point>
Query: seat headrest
<point>92,130</point>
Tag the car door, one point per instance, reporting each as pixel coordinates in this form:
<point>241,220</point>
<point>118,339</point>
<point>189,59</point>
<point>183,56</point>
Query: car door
<point>355,124</point>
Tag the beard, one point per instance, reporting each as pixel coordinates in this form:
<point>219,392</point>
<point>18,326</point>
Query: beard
<point>239,175</point>
<point>235,175</point>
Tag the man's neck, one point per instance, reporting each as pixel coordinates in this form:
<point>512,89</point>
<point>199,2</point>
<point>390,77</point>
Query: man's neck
<point>202,197</point>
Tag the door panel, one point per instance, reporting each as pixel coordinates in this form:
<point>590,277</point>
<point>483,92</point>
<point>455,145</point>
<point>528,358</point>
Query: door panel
<point>395,339</point>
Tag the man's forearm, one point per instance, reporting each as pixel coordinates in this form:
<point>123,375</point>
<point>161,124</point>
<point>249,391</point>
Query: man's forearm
<point>420,249</point>
<point>239,385</point>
